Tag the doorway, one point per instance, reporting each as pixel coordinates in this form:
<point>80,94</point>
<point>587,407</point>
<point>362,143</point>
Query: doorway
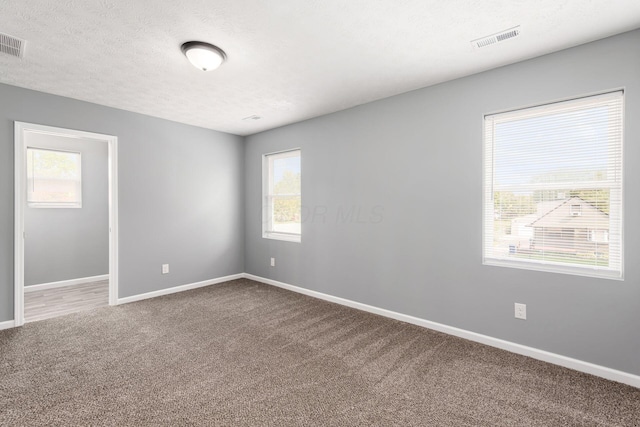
<point>49,181</point>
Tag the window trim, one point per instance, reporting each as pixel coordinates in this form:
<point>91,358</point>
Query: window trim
<point>267,207</point>
<point>55,205</point>
<point>616,273</point>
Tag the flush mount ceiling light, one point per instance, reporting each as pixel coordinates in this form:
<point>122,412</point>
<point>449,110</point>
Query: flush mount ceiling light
<point>203,56</point>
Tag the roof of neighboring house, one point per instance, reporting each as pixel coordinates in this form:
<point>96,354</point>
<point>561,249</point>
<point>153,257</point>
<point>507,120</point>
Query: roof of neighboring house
<point>524,220</point>
<point>560,216</point>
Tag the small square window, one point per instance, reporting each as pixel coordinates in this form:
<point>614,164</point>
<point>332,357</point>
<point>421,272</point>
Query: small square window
<point>54,179</point>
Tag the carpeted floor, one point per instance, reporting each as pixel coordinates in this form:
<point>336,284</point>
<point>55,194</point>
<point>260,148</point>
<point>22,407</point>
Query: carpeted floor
<point>244,353</point>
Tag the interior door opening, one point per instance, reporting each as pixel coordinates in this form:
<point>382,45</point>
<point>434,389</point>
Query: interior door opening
<point>66,221</point>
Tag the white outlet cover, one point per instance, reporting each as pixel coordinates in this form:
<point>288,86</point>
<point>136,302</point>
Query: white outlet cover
<point>165,268</point>
<point>520,311</point>
<point>273,262</point>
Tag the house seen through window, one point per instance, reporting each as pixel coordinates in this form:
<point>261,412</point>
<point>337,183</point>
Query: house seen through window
<point>576,210</point>
<point>54,179</point>
<point>553,187</point>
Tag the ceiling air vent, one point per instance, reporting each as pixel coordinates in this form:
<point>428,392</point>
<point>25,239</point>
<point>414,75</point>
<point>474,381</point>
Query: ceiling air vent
<point>11,45</point>
<point>497,38</point>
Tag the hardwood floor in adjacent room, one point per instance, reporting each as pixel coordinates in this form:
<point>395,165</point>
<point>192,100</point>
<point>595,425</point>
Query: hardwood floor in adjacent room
<point>48,303</point>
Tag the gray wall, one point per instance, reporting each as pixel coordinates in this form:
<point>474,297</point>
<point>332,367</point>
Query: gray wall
<point>387,164</point>
<point>63,244</point>
<point>180,192</point>
<point>416,159</point>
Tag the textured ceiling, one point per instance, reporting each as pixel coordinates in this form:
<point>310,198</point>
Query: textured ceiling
<point>288,60</point>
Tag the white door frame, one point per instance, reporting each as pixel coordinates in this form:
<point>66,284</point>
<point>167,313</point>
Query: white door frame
<point>20,203</point>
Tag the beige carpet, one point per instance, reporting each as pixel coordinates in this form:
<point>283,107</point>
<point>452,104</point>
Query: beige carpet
<point>244,353</point>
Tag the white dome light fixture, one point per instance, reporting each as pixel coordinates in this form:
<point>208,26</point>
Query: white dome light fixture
<point>203,56</point>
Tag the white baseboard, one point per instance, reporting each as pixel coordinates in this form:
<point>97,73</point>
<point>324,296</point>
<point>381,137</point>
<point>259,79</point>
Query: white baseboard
<point>180,288</point>
<point>7,324</point>
<point>63,283</point>
<point>556,359</point>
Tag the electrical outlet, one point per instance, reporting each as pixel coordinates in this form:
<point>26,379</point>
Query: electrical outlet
<point>273,262</point>
<point>521,311</point>
<point>165,268</point>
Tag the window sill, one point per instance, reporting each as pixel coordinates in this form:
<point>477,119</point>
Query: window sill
<point>283,236</point>
<point>54,205</point>
<point>597,272</point>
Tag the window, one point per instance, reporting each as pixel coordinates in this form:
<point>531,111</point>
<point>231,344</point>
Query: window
<point>53,179</point>
<point>553,187</point>
<point>282,209</point>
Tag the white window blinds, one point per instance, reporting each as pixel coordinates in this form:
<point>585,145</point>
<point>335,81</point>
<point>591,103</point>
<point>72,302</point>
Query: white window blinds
<point>553,187</point>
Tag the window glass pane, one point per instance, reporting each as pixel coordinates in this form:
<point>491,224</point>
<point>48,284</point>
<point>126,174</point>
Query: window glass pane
<point>283,196</point>
<point>286,214</point>
<point>53,177</point>
<point>286,175</point>
<point>554,148</point>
